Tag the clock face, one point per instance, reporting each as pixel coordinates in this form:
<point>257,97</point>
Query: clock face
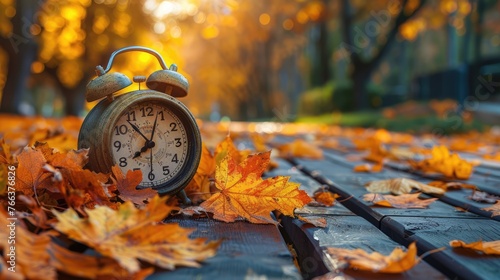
<point>149,137</point>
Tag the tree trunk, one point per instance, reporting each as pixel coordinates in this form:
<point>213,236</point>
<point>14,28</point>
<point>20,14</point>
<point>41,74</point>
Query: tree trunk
<point>75,97</point>
<point>22,51</point>
<point>363,69</point>
<point>479,30</point>
<point>360,78</point>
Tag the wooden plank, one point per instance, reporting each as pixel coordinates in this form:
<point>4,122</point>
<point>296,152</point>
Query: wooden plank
<point>350,185</point>
<point>309,185</point>
<point>343,230</point>
<point>247,251</point>
<point>431,233</point>
<point>350,233</point>
<point>457,198</point>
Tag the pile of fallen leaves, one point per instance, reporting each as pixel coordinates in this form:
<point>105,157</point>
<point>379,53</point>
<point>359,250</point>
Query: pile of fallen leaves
<point>57,205</point>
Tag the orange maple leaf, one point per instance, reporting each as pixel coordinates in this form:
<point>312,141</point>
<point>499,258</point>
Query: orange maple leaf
<point>243,193</point>
<point>126,185</point>
<point>325,197</point>
<point>404,201</point>
<point>129,235</point>
<point>199,188</point>
<point>396,262</point>
<point>488,248</point>
<point>227,147</point>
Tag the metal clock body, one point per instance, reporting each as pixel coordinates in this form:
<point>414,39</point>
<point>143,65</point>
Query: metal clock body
<point>147,130</point>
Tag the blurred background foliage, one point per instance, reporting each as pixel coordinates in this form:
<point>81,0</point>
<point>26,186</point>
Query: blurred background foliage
<point>277,60</point>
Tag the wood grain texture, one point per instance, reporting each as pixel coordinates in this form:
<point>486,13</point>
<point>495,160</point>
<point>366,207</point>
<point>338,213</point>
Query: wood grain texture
<point>247,250</point>
<point>350,233</point>
<point>431,233</point>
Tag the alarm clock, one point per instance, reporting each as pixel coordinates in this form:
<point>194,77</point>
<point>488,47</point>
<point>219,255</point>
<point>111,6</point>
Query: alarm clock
<point>146,129</point>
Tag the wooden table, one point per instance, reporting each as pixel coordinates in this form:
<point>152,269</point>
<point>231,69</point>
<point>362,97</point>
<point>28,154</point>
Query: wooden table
<point>251,251</point>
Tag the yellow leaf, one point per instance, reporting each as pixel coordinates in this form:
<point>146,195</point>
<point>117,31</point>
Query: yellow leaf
<point>396,262</point>
<point>489,248</point>
<point>400,186</point>
<point>243,193</point>
<point>129,235</point>
<point>446,163</point>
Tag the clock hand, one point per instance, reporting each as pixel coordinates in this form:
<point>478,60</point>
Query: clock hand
<point>151,176</point>
<point>154,128</point>
<point>149,142</point>
<point>138,130</point>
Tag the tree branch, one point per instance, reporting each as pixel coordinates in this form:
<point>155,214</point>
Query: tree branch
<point>400,20</point>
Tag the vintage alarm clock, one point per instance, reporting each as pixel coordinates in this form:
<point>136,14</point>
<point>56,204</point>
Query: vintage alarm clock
<point>146,129</point>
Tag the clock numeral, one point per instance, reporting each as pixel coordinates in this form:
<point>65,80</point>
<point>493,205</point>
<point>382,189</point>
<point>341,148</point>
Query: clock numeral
<point>151,176</point>
<point>166,170</point>
<point>123,162</point>
<point>117,145</point>
<point>122,129</point>
<point>173,126</point>
<point>178,142</point>
<point>161,115</point>
<point>131,116</point>
<point>148,111</point>
<point>174,159</point>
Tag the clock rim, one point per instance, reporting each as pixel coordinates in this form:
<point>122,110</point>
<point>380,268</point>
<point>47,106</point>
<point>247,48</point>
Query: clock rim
<point>104,116</point>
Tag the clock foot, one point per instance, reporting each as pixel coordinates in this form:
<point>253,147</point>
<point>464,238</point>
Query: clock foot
<point>184,198</point>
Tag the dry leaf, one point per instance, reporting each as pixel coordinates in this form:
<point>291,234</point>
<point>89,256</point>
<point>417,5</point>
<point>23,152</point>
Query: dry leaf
<point>86,266</point>
<point>126,185</point>
<point>227,147</point>
<point>300,148</point>
<point>396,262</point>
<point>446,163</point>
<point>483,197</point>
<point>325,198</point>
<point>315,221</point>
<point>404,201</point>
<point>198,188</point>
<point>243,193</point>
<point>30,175</point>
<point>446,186</point>
<point>400,186</point>
<point>5,153</point>
<point>259,142</point>
<point>31,257</point>
<point>494,209</point>
<point>129,235</point>
<point>488,248</point>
